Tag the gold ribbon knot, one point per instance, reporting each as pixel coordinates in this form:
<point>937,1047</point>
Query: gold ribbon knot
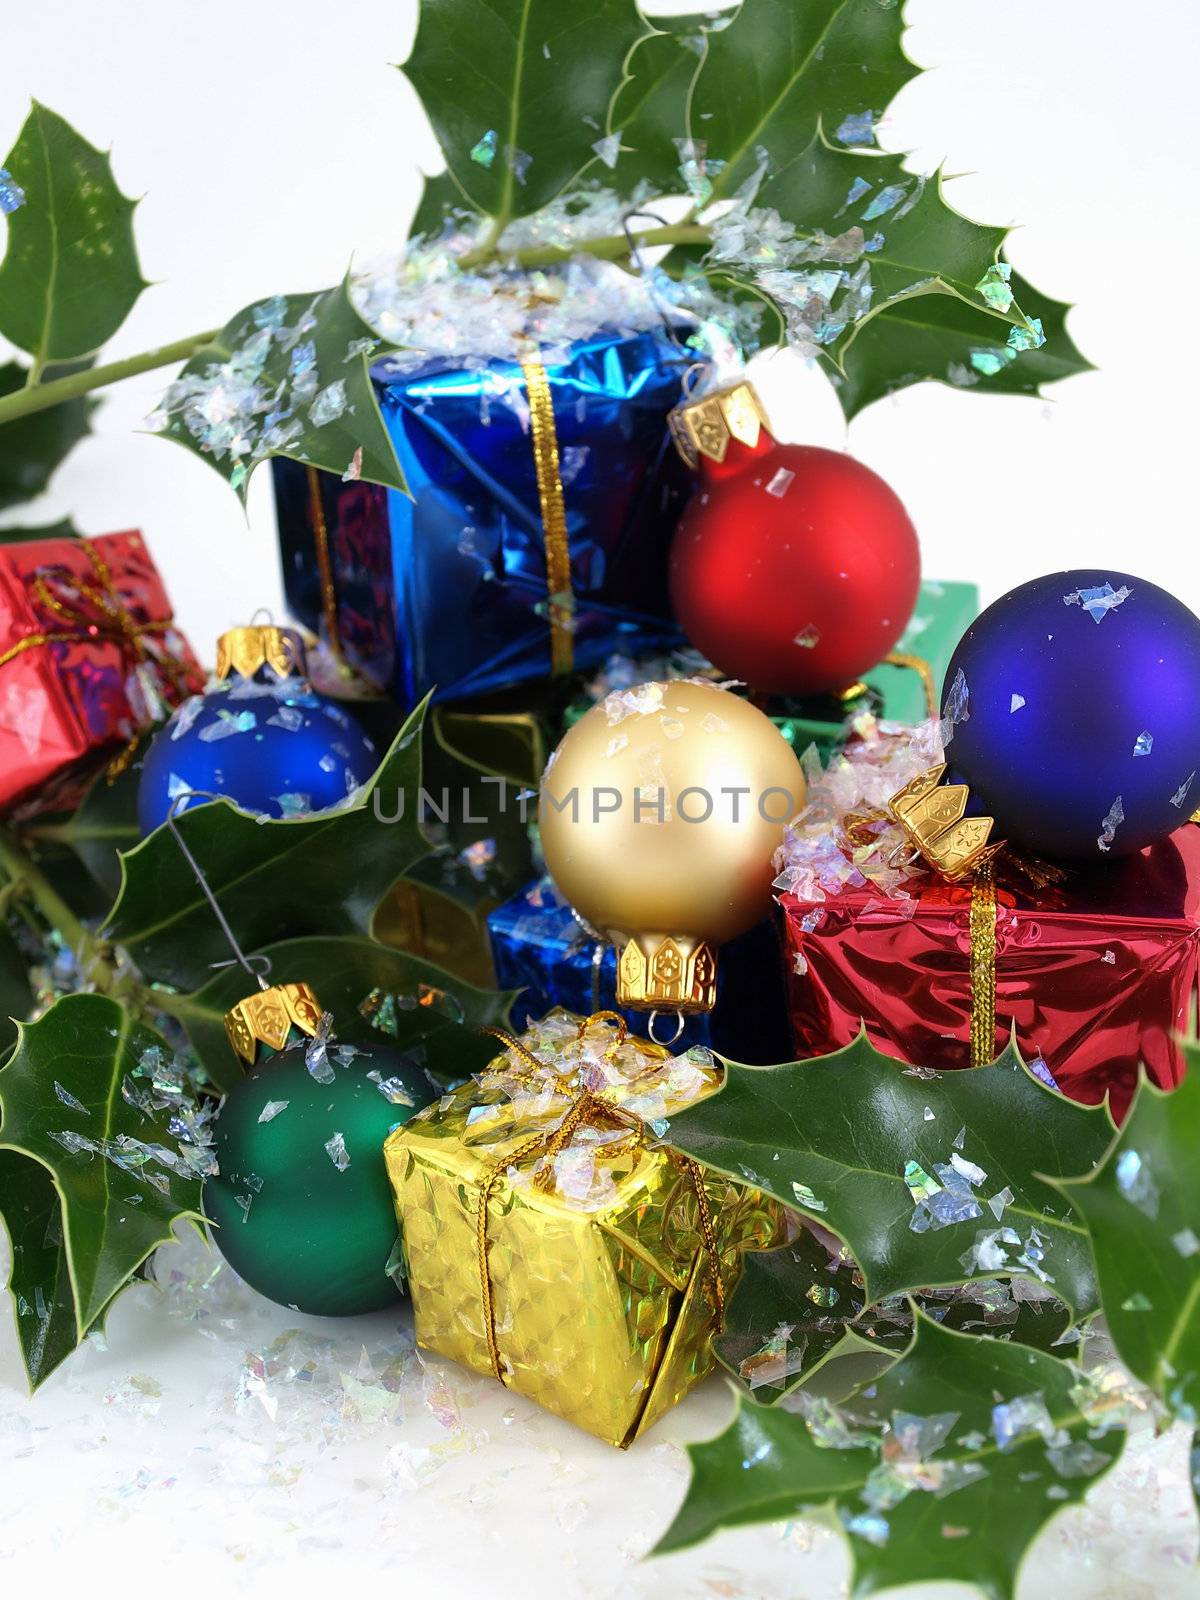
<point>98,612</point>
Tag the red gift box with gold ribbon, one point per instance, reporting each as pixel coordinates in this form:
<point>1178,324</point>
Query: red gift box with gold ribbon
<point>89,658</point>
<point>1097,972</point>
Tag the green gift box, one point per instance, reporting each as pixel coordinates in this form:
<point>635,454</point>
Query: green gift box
<point>943,613</point>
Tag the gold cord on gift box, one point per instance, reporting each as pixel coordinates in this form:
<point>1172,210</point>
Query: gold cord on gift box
<point>320,528</point>
<point>917,664</point>
<point>544,437</point>
<point>115,623</point>
<point>983,965</point>
<point>587,1110</point>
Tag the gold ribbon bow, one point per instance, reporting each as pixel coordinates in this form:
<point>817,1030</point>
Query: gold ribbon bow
<point>99,613</point>
<point>587,1110</point>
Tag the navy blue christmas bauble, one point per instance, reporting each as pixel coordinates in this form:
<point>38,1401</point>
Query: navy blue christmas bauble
<point>1075,702</point>
<point>259,734</point>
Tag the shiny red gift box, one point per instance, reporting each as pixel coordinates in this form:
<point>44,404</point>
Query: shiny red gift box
<point>1096,973</point>
<point>89,656</point>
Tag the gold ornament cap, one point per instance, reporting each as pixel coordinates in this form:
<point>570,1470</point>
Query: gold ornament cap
<point>933,815</point>
<point>666,972</point>
<point>246,650</point>
<point>706,425</point>
<point>269,1015</point>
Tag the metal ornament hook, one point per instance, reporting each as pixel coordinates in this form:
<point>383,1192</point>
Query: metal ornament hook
<point>680,1023</point>
<point>239,956</point>
<point>635,256</point>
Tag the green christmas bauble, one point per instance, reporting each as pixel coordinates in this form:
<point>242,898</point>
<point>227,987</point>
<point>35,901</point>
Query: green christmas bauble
<point>301,1198</point>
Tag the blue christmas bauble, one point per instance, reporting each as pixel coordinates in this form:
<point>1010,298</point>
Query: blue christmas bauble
<point>1075,703</point>
<point>260,734</point>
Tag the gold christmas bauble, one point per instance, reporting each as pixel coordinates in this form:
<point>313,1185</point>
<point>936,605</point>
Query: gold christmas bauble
<point>660,811</point>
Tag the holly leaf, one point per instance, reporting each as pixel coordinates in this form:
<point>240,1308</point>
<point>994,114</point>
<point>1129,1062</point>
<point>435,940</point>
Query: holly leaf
<point>797,1310</point>
<point>779,70</point>
<point>861,206</point>
<point>943,339</point>
<point>1141,1207</point>
<point>39,1282</point>
<point>835,1135</point>
<point>102,825</point>
<point>794,1311</point>
<point>285,377</point>
<point>31,448</point>
<point>16,997</point>
<point>65,529</point>
<point>430,1011</point>
<point>518,91</point>
<point>64,1084</point>
<point>70,274</point>
<point>649,109</point>
<point>309,875</point>
<point>929,1486</point>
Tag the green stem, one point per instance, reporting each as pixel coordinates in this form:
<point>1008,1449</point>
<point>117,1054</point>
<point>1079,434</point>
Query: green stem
<point>19,868</point>
<point>609,248</point>
<point>179,1006</point>
<point>23,402</point>
<point>38,396</point>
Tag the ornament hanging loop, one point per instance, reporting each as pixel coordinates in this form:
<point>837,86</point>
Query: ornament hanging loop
<point>240,958</point>
<point>679,1027</point>
<point>639,266</point>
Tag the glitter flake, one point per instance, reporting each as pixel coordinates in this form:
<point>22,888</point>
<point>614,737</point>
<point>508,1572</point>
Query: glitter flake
<point>335,1149</point>
<point>1098,602</point>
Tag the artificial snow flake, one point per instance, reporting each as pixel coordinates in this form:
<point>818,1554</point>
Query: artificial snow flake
<point>1112,821</point>
<point>995,286</point>
<point>1181,793</point>
<point>335,1149</point>
<point>12,196</point>
<point>68,1099</point>
<point>1098,601</point>
<point>608,149</point>
<point>1135,1182</point>
<point>484,150</point>
<point>329,405</point>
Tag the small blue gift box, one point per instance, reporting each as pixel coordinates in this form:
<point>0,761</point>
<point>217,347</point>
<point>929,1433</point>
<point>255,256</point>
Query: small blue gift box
<point>543,499</point>
<point>540,947</point>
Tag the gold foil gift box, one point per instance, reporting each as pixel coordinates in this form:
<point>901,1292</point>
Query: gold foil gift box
<point>552,1243</point>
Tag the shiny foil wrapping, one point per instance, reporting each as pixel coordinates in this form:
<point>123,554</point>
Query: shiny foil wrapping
<point>101,662</point>
<point>447,590</point>
<point>540,948</point>
<point>602,1299</point>
<point>1097,973</point>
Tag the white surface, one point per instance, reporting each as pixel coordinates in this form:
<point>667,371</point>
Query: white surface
<point>170,1465</point>
<point>273,140</point>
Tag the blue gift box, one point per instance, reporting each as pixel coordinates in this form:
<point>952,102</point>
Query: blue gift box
<point>540,947</point>
<point>543,499</point>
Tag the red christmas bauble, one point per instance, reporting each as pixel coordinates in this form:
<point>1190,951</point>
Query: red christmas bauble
<point>793,568</point>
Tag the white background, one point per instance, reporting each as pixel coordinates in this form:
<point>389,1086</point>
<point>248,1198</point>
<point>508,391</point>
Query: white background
<point>272,141</point>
